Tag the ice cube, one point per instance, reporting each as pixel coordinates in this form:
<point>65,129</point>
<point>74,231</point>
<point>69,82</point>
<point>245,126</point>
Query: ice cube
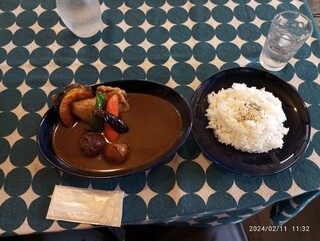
<point>285,41</point>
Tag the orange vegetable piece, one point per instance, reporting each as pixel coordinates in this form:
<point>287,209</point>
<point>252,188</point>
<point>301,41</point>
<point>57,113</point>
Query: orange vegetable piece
<point>75,94</point>
<point>112,108</point>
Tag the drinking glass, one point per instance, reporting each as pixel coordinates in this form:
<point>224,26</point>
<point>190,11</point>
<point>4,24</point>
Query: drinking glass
<point>288,31</point>
<point>82,17</point>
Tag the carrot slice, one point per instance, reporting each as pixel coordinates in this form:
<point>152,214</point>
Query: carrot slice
<point>112,108</point>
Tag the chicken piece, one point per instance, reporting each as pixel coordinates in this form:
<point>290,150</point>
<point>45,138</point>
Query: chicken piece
<point>109,91</point>
<point>83,108</point>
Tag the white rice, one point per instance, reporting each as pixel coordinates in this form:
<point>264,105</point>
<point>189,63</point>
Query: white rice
<point>249,119</point>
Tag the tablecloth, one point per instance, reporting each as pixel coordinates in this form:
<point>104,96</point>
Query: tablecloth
<point>179,43</point>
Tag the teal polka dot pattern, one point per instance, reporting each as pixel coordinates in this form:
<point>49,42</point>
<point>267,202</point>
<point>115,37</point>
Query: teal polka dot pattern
<point>65,56</point>
<point>222,14</point>
<point>228,51</point>
<point>203,52</point>
<point>183,73</point>
<point>219,179</point>
<point>186,92</point>
<point>134,55</point>
<point>45,37</point>
<point>181,52</point>
<point>23,176</point>
<point>7,19</point>
<point>314,112</point>
<point>61,77</point>
<point>67,225</point>
<point>37,77</point>
<point>158,207</point>
<point>250,50</point>
<point>29,6</point>
<point>164,175</point>
<point>179,43</point>
<point>112,34</point>
<point>86,74</point>
<point>30,101</point>
<point>40,57</point>
<point>244,13</point>
<point>221,201</point>
<point>204,71</point>
<point>68,180</point>
<point>202,32</point>
<point>189,150</point>
<point>17,56</point>
<point>48,19</point>
<point>135,35</point>
<point>26,19</point>
<point>306,95</point>
<point>304,52</point>
<point>37,212</point>
<point>248,184</point>
<point>13,207</point>
<point>226,32</point>
<point>316,138</point>
<point>180,33</point>
<point>250,199</point>
<point>44,181</point>
<point>192,171</point>
<point>14,77</point>
<point>23,37</point>
<point>249,32</point>
<point>105,184</point>
<point>9,120</point>
<point>88,54</point>
<point>303,182</point>
<point>135,207</point>
<point>110,55</point>
<point>160,73</point>
<point>284,178</point>
<point>29,149</point>
<point>279,195</point>
<point>110,73</point>
<point>306,69</point>
<point>191,204</point>
<point>133,184</point>
<point>157,35</point>
<point>5,147</point>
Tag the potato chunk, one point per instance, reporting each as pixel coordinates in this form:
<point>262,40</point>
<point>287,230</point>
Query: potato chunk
<point>83,109</point>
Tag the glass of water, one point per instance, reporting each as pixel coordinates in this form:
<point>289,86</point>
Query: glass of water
<point>82,17</point>
<point>288,31</point>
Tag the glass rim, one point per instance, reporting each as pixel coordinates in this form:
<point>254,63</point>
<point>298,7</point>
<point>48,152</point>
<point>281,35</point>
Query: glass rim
<point>297,13</point>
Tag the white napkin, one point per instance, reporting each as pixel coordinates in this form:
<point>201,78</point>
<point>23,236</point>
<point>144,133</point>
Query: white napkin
<point>86,206</point>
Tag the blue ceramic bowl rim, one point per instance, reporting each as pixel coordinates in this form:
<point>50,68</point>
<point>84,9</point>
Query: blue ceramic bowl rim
<point>248,164</point>
<point>51,119</point>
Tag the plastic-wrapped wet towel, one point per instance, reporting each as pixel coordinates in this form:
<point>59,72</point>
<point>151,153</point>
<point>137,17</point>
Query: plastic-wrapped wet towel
<point>86,206</point>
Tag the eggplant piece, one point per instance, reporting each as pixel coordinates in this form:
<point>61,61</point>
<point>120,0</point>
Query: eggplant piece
<point>116,123</point>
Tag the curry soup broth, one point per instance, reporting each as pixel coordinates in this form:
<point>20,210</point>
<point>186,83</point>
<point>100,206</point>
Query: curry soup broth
<point>154,127</point>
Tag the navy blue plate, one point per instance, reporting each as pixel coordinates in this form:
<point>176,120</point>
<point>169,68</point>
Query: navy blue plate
<point>51,120</point>
<point>251,164</point>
